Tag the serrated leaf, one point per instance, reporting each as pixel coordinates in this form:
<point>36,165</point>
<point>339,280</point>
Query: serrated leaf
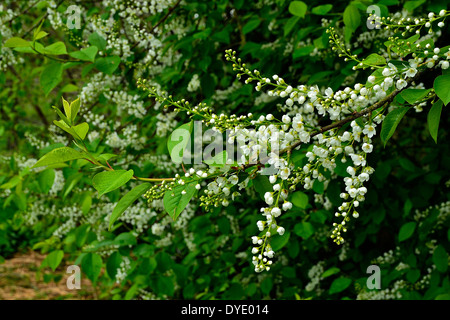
<point>175,201</point>
<point>51,76</point>
<point>413,95</point>
<point>441,86</point>
<point>58,155</point>
<point>127,200</point>
<point>330,272</point>
<point>433,118</point>
<point>74,108</point>
<point>108,181</point>
<point>15,42</point>
<point>219,160</point>
<point>54,259</point>
<point>352,17</point>
<point>300,199</point>
<point>391,122</point>
<point>56,49</point>
<point>298,8</point>
<point>374,60</point>
<point>40,35</point>
<point>81,130</point>
<point>178,141</point>
<point>107,64</point>
<point>251,25</point>
<point>67,110</point>
<point>290,24</point>
<point>322,9</point>
<point>46,179</point>
<point>278,242</point>
<point>91,264</point>
<point>406,231</point>
<point>440,258</point>
<point>97,40</point>
<point>339,285</point>
<point>304,230</point>
<point>86,54</point>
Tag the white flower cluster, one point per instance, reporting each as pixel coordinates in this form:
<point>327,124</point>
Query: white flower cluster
<point>122,271</point>
<point>315,275</point>
<point>385,294</point>
<point>194,84</point>
<point>7,57</point>
<point>127,102</point>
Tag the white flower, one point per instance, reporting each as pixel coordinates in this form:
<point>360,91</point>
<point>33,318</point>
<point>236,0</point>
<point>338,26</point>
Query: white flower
<point>268,198</point>
<point>233,179</point>
<point>276,212</point>
<point>284,173</point>
<point>280,231</point>
<point>286,119</point>
<point>411,72</point>
<point>369,130</point>
<point>289,102</point>
<point>401,84</point>
<point>287,205</point>
<point>367,147</point>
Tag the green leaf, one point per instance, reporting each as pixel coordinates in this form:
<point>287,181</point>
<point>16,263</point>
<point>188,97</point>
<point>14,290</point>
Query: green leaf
<point>321,10</point>
<point>374,60</point>
<point>406,231</point>
<point>108,64</point>
<point>352,17</point>
<point>175,201</point>
<point>91,264</point>
<point>51,76</point>
<point>15,42</point>
<point>67,110</point>
<point>330,272</point>
<point>441,86</point>
<point>40,35</point>
<point>440,259</point>
<point>298,8</point>
<point>290,24</point>
<point>176,145</point>
<point>339,285</point>
<point>127,200</point>
<point>266,285</point>
<point>58,155</point>
<point>56,49</point>
<point>411,5</point>
<point>74,108</point>
<point>278,242</point>
<point>86,54</point>
<point>65,127</point>
<point>300,199</point>
<point>251,25</point>
<point>262,185</point>
<point>97,40</point>
<point>304,230</point>
<point>219,160</point>
<point>391,122</point>
<point>413,95</point>
<point>46,179</point>
<point>433,118</point>
<point>108,181</point>
<point>81,130</point>
<point>54,259</point>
